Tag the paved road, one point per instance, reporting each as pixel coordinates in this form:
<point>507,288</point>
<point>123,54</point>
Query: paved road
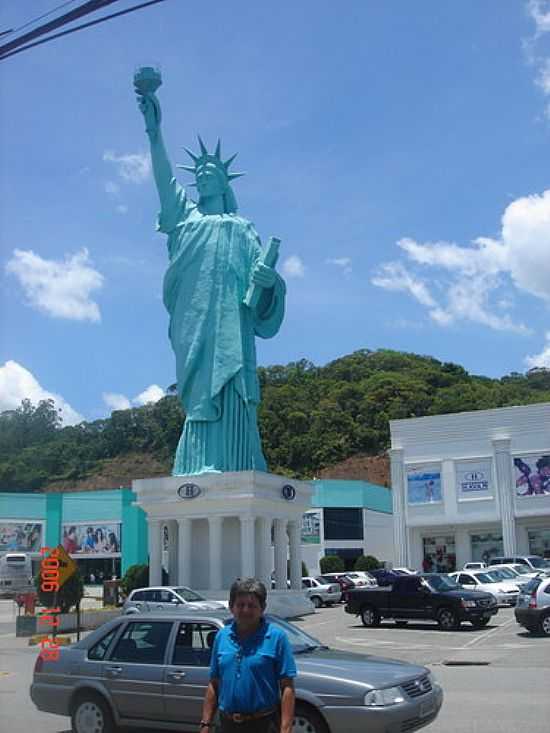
<point>508,695</point>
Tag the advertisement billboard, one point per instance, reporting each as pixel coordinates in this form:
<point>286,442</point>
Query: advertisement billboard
<point>311,528</point>
<point>92,538</point>
<point>423,484</point>
<point>21,536</point>
<point>532,475</point>
<point>474,479</point>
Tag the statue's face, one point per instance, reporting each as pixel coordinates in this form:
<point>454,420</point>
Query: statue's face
<point>209,181</point>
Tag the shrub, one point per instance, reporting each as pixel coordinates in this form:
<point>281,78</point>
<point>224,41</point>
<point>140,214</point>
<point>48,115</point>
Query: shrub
<point>331,564</point>
<point>137,576</point>
<point>367,562</point>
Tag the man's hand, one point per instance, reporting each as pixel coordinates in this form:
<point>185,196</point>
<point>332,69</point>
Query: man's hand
<point>263,275</point>
<point>150,108</point>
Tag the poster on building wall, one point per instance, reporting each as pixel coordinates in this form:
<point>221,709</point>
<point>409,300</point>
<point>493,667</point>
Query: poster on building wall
<point>97,538</point>
<point>532,475</point>
<point>20,536</point>
<point>474,479</point>
<point>311,528</point>
<point>423,484</point>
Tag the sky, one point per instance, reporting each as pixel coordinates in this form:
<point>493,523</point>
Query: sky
<point>401,152</point>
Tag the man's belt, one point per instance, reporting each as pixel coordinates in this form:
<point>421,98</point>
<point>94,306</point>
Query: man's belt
<point>245,717</point>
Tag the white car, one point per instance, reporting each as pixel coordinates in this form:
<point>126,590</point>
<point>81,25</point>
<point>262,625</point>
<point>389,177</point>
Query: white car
<point>404,571</point>
<point>505,573</point>
<point>169,598</point>
<point>506,592</point>
<point>320,593</point>
<point>522,572</point>
<point>474,566</point>
<point>361,578</point>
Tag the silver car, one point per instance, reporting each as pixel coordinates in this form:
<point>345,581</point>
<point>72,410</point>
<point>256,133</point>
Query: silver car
<point>169,598</point>
<point>151,671</point>
<point>321,593</point>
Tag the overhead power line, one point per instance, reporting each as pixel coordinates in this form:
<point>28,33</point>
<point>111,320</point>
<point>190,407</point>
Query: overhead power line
<point>79,27</point>
<point>89,7</point>
<point>44,15</point>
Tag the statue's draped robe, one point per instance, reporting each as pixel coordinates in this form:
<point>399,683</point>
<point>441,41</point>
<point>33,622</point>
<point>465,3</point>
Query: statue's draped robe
<point>211,258</point>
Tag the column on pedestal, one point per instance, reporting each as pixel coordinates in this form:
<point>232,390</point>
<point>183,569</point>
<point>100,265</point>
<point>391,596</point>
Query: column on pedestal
<point>155,557</point>
<point>505,488</point>
<point>280,554</point>
<point>215,524</point>
<point>295,553</point>
<point>184,551</point>
<point>172,551</point>
<point>248,553</point>
<point>263,572</point>
<point>398,496</point>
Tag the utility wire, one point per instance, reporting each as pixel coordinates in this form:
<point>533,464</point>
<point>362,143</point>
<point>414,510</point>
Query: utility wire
<point>88,7</point>
<point>79,27</point>
<point>35,20</point>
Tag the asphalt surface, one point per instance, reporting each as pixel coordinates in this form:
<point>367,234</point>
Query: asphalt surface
<point>509,693</point>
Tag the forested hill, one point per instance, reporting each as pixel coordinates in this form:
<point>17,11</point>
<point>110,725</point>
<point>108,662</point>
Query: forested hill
<point>310,418</point>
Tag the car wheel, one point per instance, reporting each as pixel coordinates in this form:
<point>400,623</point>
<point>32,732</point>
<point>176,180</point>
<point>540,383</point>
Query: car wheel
<point>317,602</point>
<point>91,714</point>
<point>308,720</point>
<point>401,622</point>
<point>544,625</point>
<point>370,616</point>
<point>479,623</point>
<point>447,620</point>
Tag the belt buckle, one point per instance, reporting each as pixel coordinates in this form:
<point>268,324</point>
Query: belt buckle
<point>238,718</point>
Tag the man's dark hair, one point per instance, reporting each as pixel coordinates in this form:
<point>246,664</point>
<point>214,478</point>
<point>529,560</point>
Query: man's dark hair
<point>248,586</point>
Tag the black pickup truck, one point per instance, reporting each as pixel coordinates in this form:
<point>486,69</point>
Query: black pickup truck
<point>422,597</point>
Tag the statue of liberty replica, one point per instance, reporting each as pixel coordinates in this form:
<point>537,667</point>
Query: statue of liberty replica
<point>221,291</point>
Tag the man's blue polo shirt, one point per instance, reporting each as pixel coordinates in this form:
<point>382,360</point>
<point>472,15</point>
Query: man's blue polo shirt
<point>249,670</point>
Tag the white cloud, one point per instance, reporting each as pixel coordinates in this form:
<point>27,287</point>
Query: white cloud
<point>122,209</point>
<point>116,401</point>
<point>60,289</point>
<point>542,359</point>
<point>153,393</point>
<point>472,283</point>
<point>112,188</point>
<point>343,262</point>
<point>539,10</point>
<point>17,384</point>
<point>131,167</point>
<point>293,267</point>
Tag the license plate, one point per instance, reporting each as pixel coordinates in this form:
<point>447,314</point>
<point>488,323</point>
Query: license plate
<point>426,709</point>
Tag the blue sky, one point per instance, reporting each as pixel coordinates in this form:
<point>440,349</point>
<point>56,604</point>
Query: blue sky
<point>401,151</point>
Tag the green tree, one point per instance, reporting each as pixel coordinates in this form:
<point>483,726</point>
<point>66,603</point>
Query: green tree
<point>137,576</point>
<point>331,564</point>
<point>367,562</point>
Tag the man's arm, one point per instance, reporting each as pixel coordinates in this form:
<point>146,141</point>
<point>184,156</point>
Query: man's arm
<point>287,704</point>
<point>210,704</point>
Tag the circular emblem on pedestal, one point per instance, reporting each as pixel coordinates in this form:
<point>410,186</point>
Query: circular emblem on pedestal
<point>288,492</point>
<point>189,491</point>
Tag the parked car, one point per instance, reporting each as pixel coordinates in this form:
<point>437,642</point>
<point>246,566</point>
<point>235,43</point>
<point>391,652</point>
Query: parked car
<point>427,596</point>
<point>506,592</point>
<point>152,672</point>
<point>474,566</point>
<point>383,576</point>
<point>533,562</point>
<point>361,577</point>
<point>343,581</point>
<point>522,572</point>
<point>533,607</point>
<point>404,571</point>
<point>320,593</point>
<point>167,598</point>
<point>503,572</point>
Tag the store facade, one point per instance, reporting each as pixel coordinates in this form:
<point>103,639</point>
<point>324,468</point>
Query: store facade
<point>471,486</point>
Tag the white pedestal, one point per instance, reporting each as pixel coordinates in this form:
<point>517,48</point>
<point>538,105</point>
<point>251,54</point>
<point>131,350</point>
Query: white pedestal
<point>218,527</point>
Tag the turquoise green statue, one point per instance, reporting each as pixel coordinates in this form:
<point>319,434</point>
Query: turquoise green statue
<point>221,290</point>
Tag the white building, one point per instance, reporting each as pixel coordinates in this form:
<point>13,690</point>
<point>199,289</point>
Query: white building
<point>470,486</point>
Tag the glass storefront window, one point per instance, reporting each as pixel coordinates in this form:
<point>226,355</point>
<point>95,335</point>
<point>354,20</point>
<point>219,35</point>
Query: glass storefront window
<point>486,546</point>
<point>539,542</point>
<point>439,554</point>
<point>343,524</point>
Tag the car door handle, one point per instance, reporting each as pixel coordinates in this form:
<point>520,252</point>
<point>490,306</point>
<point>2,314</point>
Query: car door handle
<point>113,671</point>
<point>177,675</point>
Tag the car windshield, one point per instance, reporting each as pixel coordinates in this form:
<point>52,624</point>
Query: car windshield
<point>299,640</point>
<point>503,573</point>
<point>486,578</point>
<point>441,582</point>
<point>520,569</point>
<point>189,595</point>
<point>325,579</point>
<point>498,575</point>
<point>538,562</point>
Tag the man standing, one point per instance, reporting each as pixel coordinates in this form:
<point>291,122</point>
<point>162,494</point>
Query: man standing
<point>252,669</point>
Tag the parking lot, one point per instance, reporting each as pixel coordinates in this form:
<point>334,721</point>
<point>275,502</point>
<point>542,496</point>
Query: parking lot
<point>496,680</point>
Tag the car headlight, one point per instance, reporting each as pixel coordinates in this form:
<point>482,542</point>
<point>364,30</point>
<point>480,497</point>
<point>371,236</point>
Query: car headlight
<point>433,679</point>
<point>383,698</point>
<point>468,604</point>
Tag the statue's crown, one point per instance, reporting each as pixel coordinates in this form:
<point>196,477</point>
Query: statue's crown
<point>214,158</point>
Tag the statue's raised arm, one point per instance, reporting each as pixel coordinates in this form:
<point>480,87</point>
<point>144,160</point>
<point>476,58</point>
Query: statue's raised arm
<point>146,82</point>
